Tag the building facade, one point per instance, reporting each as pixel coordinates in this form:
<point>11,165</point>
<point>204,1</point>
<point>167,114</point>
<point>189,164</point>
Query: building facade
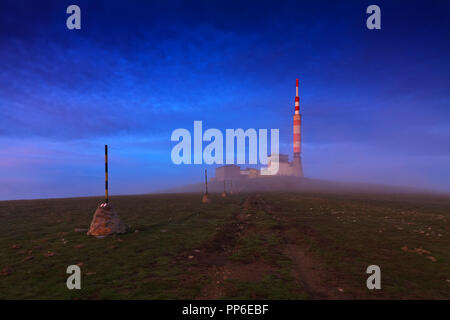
<point>228,172</point>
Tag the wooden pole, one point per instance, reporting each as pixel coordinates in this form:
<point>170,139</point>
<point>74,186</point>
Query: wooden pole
<point>206,180</point>
<point>106,173</point>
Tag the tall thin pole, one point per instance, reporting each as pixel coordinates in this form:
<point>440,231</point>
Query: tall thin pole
<point>106,173</point>
<point>206,180</point>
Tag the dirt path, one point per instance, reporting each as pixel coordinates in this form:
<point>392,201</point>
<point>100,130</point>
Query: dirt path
<point>225,244</point>
<point>307,270</point>
<point>213,260</point>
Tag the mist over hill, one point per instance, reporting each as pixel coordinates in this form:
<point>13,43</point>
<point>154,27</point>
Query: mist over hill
<point>295,184</point>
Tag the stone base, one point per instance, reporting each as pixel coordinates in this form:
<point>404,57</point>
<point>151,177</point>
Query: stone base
<point>106,222</point>
<point>205,199</point>
<point>224,194</point>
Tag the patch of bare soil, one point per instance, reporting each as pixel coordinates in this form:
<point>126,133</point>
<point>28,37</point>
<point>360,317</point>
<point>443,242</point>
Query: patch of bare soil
<point>212,261</point>
<point>308,273</point>
<point>308,270</point>
<point>251,272</point>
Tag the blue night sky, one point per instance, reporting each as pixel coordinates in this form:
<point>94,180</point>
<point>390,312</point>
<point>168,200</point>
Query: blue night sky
<point>375,104</point>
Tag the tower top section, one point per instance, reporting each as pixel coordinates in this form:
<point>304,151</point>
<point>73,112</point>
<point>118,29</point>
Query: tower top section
<point>297,99</point>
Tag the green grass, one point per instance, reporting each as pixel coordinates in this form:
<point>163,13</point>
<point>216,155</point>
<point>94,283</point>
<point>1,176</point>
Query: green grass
<point>276,287</point>
<point>352,232</point>
<point>255,246</point>
<point>141,266</point>
<point>345,232</point>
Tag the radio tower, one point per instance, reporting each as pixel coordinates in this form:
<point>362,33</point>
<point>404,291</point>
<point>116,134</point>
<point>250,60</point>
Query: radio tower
<point>297,168</point>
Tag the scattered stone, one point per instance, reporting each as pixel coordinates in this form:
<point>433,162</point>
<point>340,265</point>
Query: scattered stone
<point>27,258</point>
<point>113,247</point>
<point>15,246</point>
<point>136,231</point>
<point>196,250</point>
<point>49,254</point>
<point>81,230</point>
<point>340,290</point>
<point>80,264</point>
<point>5,271</point>
<point>415,250</point>
<point>106,222</point>
<point>191,257</point>
<point>91,273</point>
<point>421,251</point>
<point>163,230</point>
<point>205,199</point>
<point>433,259</point>
<point>119,240</point>
<point>79,246</point>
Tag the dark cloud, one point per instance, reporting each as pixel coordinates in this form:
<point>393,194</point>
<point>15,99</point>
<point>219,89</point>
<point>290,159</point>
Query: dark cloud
<point>140,69</point>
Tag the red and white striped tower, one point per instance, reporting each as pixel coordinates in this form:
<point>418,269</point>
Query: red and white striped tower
<point>297,163</point>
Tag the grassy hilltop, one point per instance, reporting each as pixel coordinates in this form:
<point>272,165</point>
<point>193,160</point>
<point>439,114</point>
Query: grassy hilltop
<point>292,245</point>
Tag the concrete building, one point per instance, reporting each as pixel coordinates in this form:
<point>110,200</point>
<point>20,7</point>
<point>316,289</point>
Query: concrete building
<point>285,168</point>
<point>250,173</point>
<point>282,162</point>
<point>228,172</point>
